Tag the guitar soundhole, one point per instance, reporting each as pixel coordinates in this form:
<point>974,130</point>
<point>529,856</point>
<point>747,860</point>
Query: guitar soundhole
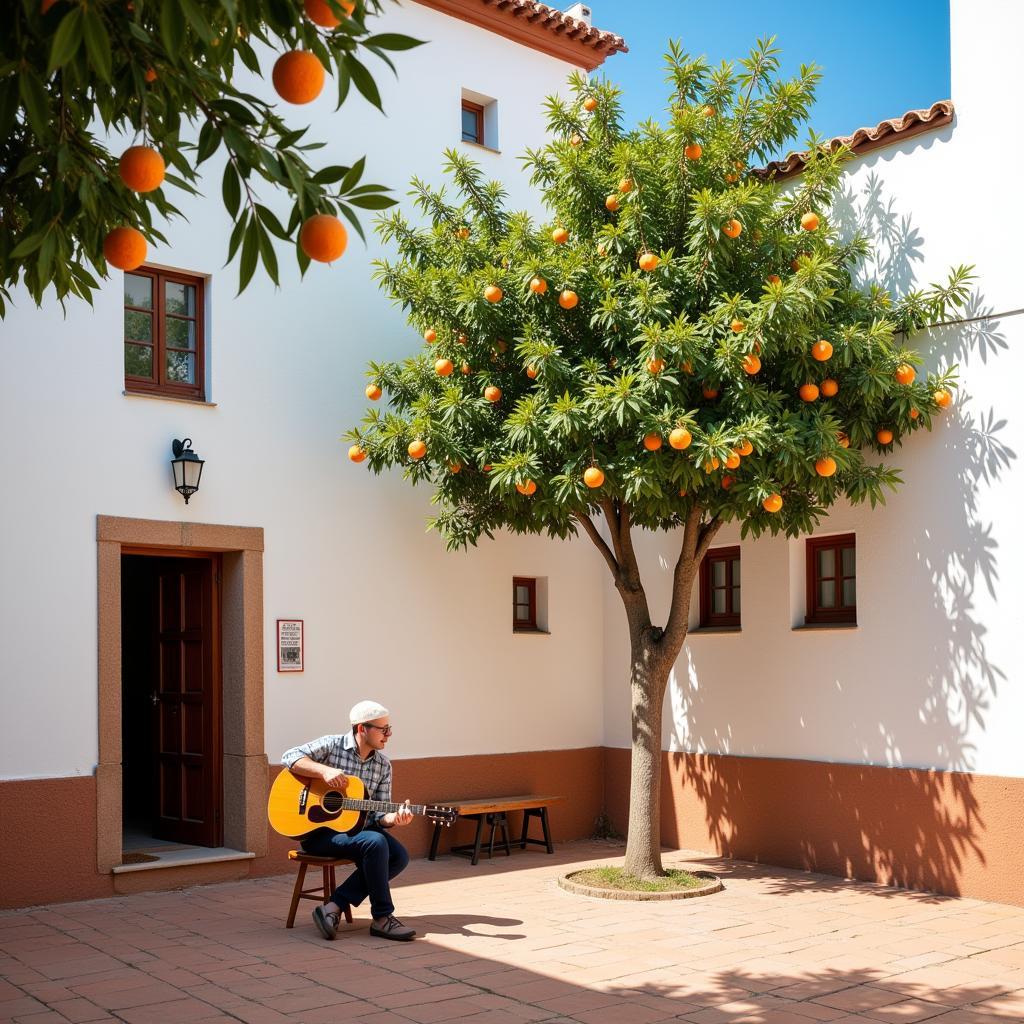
<point>332,801</point>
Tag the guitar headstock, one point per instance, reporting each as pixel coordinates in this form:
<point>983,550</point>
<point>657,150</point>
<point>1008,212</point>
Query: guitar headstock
<point>442,815</point>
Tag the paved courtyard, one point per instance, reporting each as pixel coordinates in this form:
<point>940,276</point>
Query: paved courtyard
<point>502,944</point>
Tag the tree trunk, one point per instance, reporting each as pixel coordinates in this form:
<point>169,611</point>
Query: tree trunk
<point>648,682</point>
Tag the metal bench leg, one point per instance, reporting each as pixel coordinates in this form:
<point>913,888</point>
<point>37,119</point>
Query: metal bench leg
<point>434,841</point>
<point>526,829</point>
<point>479,837</point>
<point>504,832</point>
<point>547,830</point>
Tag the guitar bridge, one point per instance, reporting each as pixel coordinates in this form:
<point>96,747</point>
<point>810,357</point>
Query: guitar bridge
<point>303,800</point>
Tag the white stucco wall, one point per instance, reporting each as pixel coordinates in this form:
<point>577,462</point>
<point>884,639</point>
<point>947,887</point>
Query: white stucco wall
<point>931,676</point>
<point>388,613</point>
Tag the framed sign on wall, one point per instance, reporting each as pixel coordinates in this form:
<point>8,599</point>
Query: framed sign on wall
<point>289,645</point>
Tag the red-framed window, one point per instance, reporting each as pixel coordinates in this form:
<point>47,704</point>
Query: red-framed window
<point>472,122</point>
<point>524,603</point>
<point>164,350</point>
<point>720,588</point>
<point>832,579</point>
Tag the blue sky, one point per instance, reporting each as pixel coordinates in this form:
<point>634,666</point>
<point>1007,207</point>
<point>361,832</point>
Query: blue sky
<point>880,58</point>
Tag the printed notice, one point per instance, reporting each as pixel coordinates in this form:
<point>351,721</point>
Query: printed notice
<point>289,645</point>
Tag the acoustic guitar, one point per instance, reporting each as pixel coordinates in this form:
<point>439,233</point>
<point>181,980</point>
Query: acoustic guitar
<point>298,806</point>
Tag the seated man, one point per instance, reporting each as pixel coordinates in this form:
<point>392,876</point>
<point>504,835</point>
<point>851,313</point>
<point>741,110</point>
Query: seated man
<point>377,855</point>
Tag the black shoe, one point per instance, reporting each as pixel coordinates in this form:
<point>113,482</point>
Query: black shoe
<point>392,928</point>
<point>326,921</point>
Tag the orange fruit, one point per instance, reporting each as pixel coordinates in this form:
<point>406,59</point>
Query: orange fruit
<point>680,438</point>
<point>648,261</point>
<point>795,263</point>
<point>125,248</point>
<point>774,279</point>
<point>829,387</point>
<point>844,441</point>
<point>492,393</point>
<point>730,178</point>
<point>652,442</point>
<point>655,365</point>
<point>914,414</point>
<point>708,111</point>
<point>320,14</point>
<point>461,339</point>
<point>809,222</point>
<point>751,364</point>
<point>688,368</point>
<point>443,367</point>
<point>942,398</point>
<point>732,228</point>
<point>611,203</point>
<point>883,435</point>
<point>373,392</point>
<point>733,461</point>
<point>693,151</point>
<point>150,75</point>
<point>462,233</point>
<point>575,140</point>
<point>454,467</point>
<point>825,466</point>
<point>487,468</point>
<point>501,345</point>
<point>590,103</point>
<point>465,368</point>
<point>709,391</point>
<point>821,350</point>
<point>559,236</point>
<point>531,372</point>
<point>737,326</point>
<point>710,467</point>
<point>538,285</point>
<point>905,374</point>
<point>772,503</point>
<point>626,185</point>
<point>492,293</point>
<point>356,454</point>
<point>593,477</point>
<point>568,299</point>
<point>745,449</point>
<point>298,76</point>
<point>141,168</point>
<point>417,449</point>
<point>323,238</point>
<point>727,481</point>
<point>430,335</point>
<point>527,488</point>
<point>809,392</point>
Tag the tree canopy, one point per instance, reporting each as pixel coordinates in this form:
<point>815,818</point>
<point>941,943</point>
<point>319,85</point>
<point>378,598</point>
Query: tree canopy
<point>74,76</point>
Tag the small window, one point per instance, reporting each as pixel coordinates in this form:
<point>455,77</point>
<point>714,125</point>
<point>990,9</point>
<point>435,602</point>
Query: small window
<point>473,123</point>
<point>720,588</point>
<point>524,603</point>
<point>832,579</point>
<point>163,333</point>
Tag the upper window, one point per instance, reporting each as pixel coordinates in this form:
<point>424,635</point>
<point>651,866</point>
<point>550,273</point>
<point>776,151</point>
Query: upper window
<point>720,588</point>
<point>163,333</point>
<point>524,603</point>
<point>832,579</point>
<point>473,122</point>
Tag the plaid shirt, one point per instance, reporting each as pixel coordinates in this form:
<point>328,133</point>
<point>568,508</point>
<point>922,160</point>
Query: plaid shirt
<point>341,752</point>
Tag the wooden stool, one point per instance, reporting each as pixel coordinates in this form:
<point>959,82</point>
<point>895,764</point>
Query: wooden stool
<point>320,893</point>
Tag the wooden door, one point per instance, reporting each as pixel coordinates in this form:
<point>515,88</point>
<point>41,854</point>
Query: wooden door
<point>186,702</point>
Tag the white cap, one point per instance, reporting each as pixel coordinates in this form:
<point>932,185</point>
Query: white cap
<point>367,711</point>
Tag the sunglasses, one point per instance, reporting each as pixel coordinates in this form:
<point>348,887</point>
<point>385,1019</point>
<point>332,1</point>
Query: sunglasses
<point>386,729</point>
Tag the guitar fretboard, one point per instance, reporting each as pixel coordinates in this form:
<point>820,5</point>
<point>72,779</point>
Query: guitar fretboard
<point>383,806</point>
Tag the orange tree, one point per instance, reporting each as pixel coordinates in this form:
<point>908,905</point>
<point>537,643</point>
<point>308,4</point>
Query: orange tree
<point>680,345</point>
<point>76,75</point>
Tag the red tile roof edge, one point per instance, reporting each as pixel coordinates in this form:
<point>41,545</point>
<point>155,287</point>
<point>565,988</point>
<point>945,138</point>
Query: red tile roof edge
<point>538,25</point>
<point>863,140</point>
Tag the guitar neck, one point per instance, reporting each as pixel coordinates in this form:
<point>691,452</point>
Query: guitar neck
<point>382,806</point>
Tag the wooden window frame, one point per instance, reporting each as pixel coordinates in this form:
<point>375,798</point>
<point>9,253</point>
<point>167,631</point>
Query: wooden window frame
<point>478,110</point>
<point>518,625</point>
<point>843,614</point>
<point>721,620</point>
<point>158,383</point>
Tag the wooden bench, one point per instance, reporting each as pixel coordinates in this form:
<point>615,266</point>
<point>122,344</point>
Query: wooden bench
<point>493,811</point>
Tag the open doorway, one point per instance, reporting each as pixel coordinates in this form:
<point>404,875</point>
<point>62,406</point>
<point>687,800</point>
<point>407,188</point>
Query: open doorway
<point>170,703</point>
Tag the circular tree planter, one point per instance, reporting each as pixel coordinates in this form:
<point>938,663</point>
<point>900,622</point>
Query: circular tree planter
<point>712,884</point>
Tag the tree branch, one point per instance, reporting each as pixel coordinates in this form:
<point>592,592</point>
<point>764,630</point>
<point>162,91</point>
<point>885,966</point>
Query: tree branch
<point>599,542</point>
<point>696,541</point>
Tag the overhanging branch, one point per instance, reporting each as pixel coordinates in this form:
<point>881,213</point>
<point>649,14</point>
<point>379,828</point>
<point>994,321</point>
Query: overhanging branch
<point>599,543</point>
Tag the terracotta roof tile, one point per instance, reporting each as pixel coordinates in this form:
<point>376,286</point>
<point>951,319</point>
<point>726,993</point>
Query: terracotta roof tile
<point>863,140</point>
<point>536,24</point>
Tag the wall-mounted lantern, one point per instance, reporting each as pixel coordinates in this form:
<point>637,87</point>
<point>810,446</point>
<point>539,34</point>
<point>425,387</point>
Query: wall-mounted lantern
<point>187,467</point>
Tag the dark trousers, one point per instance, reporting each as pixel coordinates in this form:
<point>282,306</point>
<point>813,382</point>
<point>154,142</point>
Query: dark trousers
<point>378,858</point>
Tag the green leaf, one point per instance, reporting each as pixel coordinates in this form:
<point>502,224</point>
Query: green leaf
<point>209,140</point>
<point>231,190</point>
<point>37,103</point>
<point>237,234</point>
<point>28,245</point>
<point>66,40</point>
<point>373,201</point>
<point>196,20</point>
<point>271,221</point>
<point>353,176</point>
<point>250,249</point>
<point>268,254</point>
<point>393,41</point>
<point>329,175</point>
<point>97,43</point>
<point>364,81</point>
<point>172,31</point>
